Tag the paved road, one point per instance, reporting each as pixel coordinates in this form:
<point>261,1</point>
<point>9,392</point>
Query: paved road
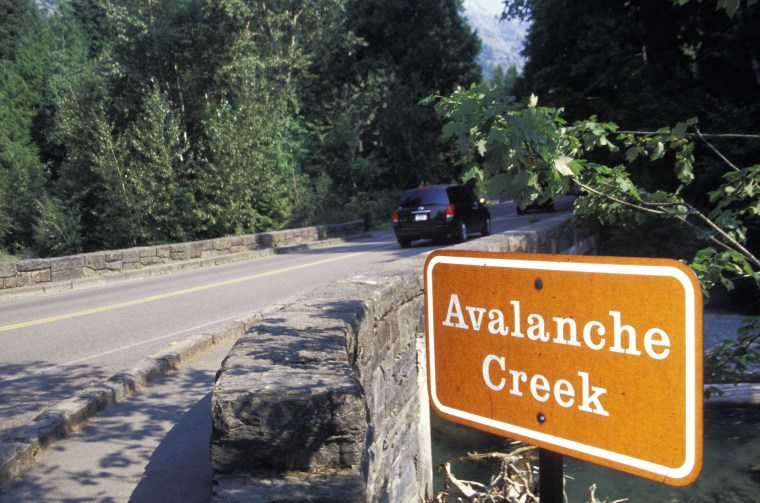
<point>54,346</point>
<point>154,446</point>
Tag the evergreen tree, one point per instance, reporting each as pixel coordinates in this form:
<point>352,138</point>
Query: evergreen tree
<point>505,80</point>
<point>22,80</point>
<point>243,177</point>
<point>644,64</point>
<point>395,54</point>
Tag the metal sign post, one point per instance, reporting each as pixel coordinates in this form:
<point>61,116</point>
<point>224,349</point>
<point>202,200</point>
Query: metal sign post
<point>550,476</point>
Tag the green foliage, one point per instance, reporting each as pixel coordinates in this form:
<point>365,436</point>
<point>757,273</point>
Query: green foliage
<point>732,359</point>
<point>317,205</point>
<point>517,142</point>
<point>17,19</point>
<point>56,229</point>
<point>22,79</point>
<point>530,153</point>
<point>505,80</point>
<point>730,6</point>
<point>132,122</point>
<point>394,54</point>
<point>146,192</point>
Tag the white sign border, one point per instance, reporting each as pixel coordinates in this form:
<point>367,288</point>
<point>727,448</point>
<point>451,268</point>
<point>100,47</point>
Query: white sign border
<point>581,267</point>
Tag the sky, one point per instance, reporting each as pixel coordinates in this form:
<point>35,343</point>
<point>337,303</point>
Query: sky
<point>494,6</point>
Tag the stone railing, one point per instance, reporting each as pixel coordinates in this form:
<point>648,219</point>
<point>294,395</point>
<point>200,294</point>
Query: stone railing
<point>44,273</point>
<point>325,399</point>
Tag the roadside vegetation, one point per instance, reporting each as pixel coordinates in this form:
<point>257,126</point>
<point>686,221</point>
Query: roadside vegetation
<point>128,123</point>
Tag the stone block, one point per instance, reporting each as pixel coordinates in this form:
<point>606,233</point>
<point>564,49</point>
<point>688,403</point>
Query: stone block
<point>23,279</point>
<point>222,244</point>
<point>67,275</point>
<point>131,256</point>
<point>275,418</point>
<point>64,264</point>
<point>113,256</point>
<point>187,251</point>
<point>116,265</point>
<point>287,399</point>
<point>148,251</point>
<point>152,260</point>
<point>95,261</point>
<point>290,339</point>
<point>43,276</point>
<point>32,265</point>
<point>346,486</point>
<point>248,242</point>
<point>7,269</point>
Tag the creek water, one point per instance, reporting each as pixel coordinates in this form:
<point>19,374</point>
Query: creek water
<point>730,470</point>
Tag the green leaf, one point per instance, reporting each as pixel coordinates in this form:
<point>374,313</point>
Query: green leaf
<point>680,129</point>
<point>730,6</point>
<point>659,151</point>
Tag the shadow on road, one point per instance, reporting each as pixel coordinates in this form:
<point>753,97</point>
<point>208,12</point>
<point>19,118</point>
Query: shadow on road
<point>28,389</point>
<point>152,447</point>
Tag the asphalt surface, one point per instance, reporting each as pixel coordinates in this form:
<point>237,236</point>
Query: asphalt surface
<point>97,468</point>
<point>153,447</point>
<point>59,344</point>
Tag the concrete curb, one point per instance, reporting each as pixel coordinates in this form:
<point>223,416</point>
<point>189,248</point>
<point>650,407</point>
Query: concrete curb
<point>24,445</point>
<point>21,448</point>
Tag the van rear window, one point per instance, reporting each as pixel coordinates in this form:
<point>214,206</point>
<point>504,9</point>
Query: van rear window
<point>416,198</point>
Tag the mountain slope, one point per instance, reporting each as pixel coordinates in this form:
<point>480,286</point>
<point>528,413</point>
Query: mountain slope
<point>502,40</point>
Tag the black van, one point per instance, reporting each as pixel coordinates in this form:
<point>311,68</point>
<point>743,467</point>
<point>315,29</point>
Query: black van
<point>439,211</point>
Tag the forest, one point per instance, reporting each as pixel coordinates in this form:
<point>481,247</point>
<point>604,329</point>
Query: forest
<point>135,122</point>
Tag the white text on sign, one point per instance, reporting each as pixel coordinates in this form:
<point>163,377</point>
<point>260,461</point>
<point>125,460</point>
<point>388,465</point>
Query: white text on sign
<point>623,339</point>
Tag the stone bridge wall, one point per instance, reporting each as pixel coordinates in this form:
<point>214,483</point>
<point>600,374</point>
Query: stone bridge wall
<point>325,400</point>
<point>101,265</point>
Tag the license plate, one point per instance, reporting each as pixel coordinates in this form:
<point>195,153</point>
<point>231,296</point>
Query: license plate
<point>420,217</point>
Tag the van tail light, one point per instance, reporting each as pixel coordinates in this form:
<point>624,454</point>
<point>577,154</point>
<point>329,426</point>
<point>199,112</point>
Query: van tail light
<point>450,212</point>
<point>395,217</point>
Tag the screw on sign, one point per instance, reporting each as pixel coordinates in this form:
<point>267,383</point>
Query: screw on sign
<point>598,358</point>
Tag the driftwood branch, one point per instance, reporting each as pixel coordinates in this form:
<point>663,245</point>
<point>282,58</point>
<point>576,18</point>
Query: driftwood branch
<point>514,482</point>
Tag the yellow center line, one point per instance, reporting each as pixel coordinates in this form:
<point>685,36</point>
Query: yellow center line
<point>176,293</point>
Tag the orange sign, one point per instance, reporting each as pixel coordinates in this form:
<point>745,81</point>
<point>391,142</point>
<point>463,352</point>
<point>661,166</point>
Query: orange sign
<point>598,358</point>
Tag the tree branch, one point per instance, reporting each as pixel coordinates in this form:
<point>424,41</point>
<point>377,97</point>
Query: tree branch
<point>732,245</point>
<point>698,134</point>
<point>715,150</point>
<point>736,244</point>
